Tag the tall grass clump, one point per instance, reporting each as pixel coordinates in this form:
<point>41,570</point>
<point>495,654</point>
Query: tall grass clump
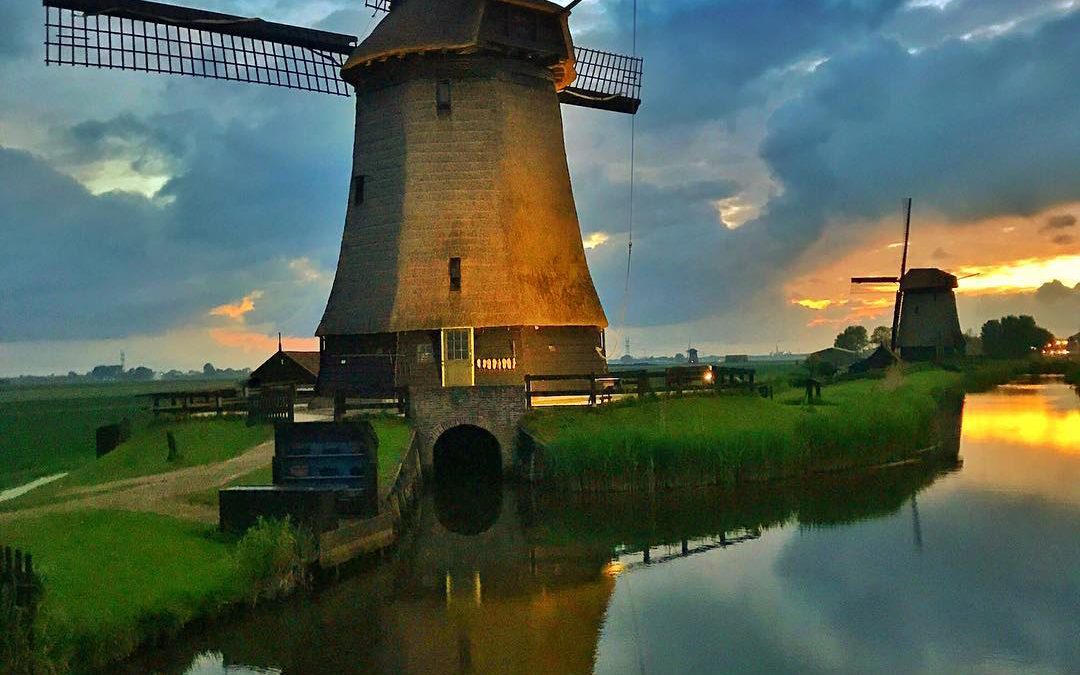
<point>272,558</point>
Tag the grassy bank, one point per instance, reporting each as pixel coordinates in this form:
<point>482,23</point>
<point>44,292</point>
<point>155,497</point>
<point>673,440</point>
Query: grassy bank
<point>727,439</point>
<point>116,580</point>
<point>47,429</point>
<point>199,441</point>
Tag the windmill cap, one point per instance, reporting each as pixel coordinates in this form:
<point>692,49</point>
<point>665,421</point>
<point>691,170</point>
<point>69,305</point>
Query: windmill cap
<point>926,278</point>
<point>454,26</point>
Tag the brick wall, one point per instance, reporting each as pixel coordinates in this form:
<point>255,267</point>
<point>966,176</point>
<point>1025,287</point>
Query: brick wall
<point>497,409</point>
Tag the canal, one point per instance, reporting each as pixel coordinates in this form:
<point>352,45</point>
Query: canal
<point>967,564</point>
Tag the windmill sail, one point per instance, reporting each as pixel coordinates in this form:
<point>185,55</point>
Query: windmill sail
<point>605,80</point>
<point>159,38</point>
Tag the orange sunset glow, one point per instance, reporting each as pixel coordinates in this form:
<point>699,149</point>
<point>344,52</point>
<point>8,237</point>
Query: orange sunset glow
<point>254,342</point>
<point>993,257</point>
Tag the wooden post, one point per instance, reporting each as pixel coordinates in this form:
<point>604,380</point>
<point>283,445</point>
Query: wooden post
<point>528,392</point>
<point>592,390</point>
<point>339,407</point>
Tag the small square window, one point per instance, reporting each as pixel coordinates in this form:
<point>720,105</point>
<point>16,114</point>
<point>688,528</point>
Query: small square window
<point>442,97</point>
<point>358,190</point>
<point>455,274</point>
<point>424,353</point>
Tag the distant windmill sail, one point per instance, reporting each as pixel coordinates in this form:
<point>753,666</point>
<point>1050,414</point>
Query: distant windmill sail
<point>894,280</point>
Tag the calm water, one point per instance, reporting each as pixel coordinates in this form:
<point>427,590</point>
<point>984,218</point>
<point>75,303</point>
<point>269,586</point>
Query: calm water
<point>969,565</point>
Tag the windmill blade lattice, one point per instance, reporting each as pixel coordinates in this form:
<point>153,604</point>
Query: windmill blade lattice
<point>605,80</point>
<point>158,38</point>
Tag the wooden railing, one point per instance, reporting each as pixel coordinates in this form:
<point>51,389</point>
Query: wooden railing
<point>606,387</point>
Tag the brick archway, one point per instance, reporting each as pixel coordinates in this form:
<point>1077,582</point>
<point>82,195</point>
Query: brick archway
<point>496,410</point>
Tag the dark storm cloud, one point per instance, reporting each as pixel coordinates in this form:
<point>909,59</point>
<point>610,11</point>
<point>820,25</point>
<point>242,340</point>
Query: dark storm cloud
<point>259,175</point>
<point>245,194</point>
<point>1061,222</point>
<point>970,129</point>
<point>706,60</point>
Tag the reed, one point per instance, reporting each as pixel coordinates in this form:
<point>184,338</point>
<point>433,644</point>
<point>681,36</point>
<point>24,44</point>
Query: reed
<point>727,439</point>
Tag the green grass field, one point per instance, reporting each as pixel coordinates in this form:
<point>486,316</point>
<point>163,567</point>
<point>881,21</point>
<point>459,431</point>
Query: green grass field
<point>47,429</point>
<point>114,578</point>
<point>727,438</point>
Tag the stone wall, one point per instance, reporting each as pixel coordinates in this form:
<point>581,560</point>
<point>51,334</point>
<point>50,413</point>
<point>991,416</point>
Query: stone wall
<point>498,410</point>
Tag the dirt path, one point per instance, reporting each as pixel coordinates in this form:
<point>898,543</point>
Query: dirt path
<point>159,493</point>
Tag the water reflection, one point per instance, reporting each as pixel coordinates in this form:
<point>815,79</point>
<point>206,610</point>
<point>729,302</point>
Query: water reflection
<point>1040,416</point>
<point>916,568</point>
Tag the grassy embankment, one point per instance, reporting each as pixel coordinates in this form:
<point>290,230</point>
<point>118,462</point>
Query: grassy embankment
<point>50,428</point>
<point>115,579</point>
<point>199,441</point>
<point>697,440</point>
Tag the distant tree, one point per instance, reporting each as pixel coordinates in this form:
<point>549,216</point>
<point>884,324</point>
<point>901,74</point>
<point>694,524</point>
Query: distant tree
<point>1013,337</point>
<point>882,335</point>
<point>209,370</point>
<point>140,374</point>
<point>680,358</point>
<point>973,344</point>
<point>853,338</point>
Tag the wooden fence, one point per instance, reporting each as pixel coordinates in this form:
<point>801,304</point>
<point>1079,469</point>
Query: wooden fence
<point>606,387</point>
<point>190,402</point>
<point>18,583</point>
<point>20,592</point>
<point>271,404</point>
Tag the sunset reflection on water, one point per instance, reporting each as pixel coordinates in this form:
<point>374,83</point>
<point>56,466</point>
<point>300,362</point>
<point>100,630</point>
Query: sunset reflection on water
<point>1018,414</point>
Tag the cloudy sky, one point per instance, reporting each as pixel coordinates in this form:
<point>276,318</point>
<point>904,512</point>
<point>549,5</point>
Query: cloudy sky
<point>185,220</point>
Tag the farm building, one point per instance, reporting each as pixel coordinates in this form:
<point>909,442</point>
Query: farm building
<point>300,369</point>
<point>834,356</point>
<point>880,358</point>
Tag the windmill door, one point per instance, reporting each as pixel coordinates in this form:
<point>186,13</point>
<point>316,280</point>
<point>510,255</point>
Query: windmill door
<point>457,361</point>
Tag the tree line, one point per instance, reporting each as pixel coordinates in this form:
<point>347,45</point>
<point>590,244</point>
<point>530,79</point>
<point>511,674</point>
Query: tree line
<point>1008,337</point>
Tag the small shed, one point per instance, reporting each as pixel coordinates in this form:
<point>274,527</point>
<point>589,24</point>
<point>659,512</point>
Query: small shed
<point>880,358</point>
<point>835,356</point>
<point>300,369</point>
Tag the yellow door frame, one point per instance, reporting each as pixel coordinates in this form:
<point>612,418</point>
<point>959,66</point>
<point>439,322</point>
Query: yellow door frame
<point>461,372</point>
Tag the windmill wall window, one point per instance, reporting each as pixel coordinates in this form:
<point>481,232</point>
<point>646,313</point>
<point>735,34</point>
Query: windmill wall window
<point>442,98</point>
<point>357,190</point>
<point>455,274</point>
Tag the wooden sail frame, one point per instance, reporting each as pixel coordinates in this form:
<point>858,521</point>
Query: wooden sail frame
<point>159,38</point>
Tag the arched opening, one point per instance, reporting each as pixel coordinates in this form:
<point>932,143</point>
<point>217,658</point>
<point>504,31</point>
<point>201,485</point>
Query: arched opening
<point>468,479</point>
<point>467,452</point>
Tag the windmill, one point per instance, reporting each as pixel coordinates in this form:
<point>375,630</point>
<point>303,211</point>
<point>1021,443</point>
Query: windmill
<point>461,261</point>
<point>925,324</point>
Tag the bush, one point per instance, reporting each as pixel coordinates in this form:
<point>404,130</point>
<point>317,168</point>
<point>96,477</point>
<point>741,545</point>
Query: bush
<point>272,558</point>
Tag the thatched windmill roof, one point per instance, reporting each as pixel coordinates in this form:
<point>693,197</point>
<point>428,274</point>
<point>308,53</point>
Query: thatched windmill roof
<point>422,26</point>
<point>927,278</point>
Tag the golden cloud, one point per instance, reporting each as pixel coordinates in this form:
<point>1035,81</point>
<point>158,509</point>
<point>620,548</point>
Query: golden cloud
<point>596,239</point>
<point>1026,274</point>
<point>237,310</point>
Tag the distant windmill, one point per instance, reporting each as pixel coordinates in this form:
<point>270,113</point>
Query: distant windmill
<point>461,260</point>
<point>925,324</point>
